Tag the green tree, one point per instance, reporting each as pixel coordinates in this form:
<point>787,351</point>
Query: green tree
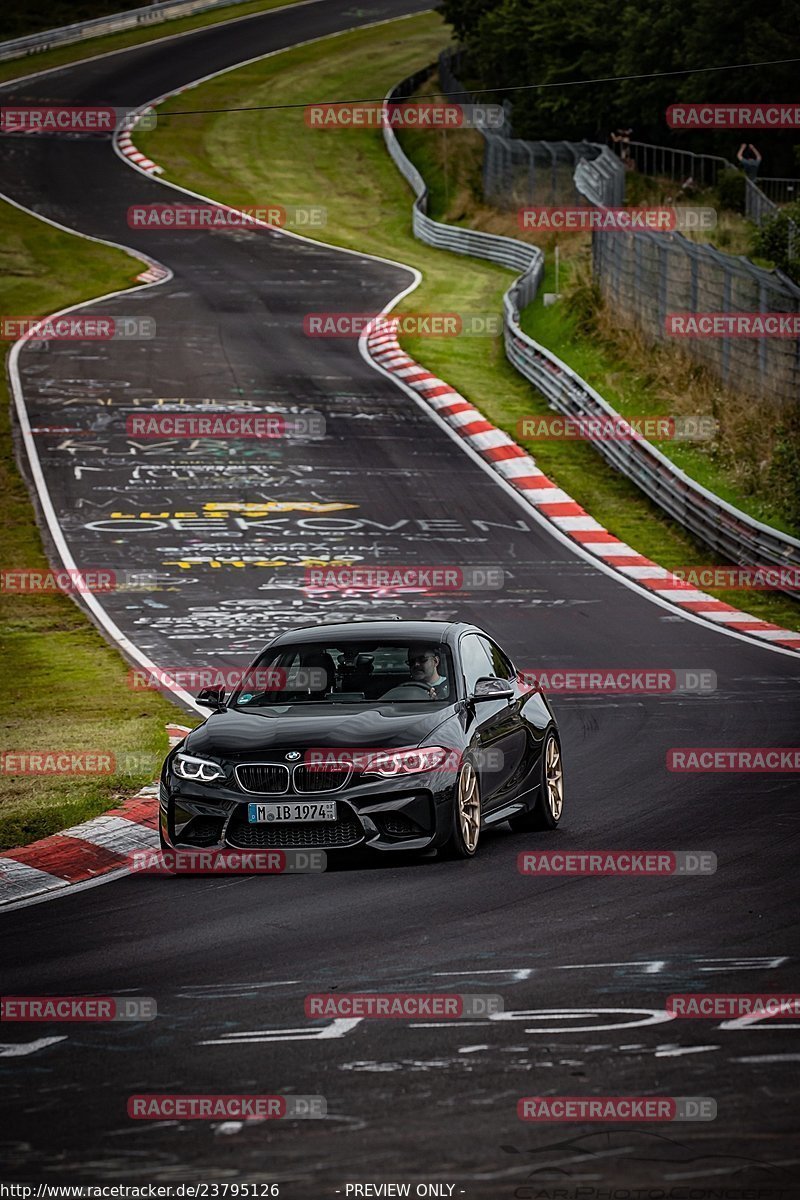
<point>524,42</point>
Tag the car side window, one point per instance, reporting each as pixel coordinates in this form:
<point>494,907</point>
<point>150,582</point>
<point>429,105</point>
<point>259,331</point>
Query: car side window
<point>476,659</point>
<point>503,666</point>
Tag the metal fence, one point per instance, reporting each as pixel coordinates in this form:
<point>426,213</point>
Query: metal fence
<point>134,18</point>
<point>647,276</point>
<point>644,275</point>
<point>681,165</point>
<point>518,172</point>
<point>719,525</point>
<point>780,191</point>
<point>757,206</point>
<point>762,199</point>
<point>760,208</point>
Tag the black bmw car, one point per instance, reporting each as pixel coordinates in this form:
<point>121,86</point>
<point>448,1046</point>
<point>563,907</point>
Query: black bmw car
<point>391,735</point>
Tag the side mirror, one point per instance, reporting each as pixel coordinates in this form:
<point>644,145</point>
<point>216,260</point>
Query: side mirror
<point>212,697</point>
<point>489,687</point>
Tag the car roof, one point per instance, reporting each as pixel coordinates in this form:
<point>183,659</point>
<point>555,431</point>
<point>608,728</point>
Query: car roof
<point>416,631</point>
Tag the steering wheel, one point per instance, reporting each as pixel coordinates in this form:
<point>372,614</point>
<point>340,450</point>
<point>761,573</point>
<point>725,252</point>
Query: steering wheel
<point>413,683</point>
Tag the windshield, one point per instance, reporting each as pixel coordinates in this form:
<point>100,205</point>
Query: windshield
<point>348,672</point>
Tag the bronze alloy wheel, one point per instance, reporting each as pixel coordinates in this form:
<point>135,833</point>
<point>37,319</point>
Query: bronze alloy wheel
<point>469,808</point>
<point>554,777</point>
<point>549,804</point>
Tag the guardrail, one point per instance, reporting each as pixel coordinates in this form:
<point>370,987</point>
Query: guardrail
<point>504,250</point>
<point>134,18</point>
<point>598,179</point>
<point>725,529</point>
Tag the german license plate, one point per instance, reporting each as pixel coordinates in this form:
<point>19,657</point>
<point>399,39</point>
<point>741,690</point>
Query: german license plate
<point>292,810</point>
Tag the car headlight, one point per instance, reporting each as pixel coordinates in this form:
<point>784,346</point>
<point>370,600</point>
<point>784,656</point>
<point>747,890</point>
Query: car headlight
<point>199,770</point>
<point>411,762</point>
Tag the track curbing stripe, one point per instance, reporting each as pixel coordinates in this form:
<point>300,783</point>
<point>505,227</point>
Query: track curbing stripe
<point>87,851</point>
<point>518,469</point>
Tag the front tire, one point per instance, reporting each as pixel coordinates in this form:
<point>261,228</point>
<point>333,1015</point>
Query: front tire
<point>466,833</point>
<point>546,812</point>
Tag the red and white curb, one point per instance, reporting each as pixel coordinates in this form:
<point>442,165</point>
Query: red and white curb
<point>128,150</point>
<point>519,470</point>
<point>153,274</point>
<point>87,851</point>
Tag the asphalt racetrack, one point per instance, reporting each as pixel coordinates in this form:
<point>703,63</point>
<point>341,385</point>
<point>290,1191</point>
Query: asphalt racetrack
<point>583,965</point>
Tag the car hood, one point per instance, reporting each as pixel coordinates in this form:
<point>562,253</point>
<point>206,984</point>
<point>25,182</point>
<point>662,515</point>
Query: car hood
<point>233,733</point>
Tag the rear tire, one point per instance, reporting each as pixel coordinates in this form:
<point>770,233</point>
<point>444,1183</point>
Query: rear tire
<point>463,841</point>
<point>546,812</point>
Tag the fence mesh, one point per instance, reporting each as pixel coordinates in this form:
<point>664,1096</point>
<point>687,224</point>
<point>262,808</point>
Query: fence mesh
<point>646,275</point>
<point>517,172</point>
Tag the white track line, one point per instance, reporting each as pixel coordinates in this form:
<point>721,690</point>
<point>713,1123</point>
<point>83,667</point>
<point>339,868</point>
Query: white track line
<point>111,629</point>
<point>543,521</point>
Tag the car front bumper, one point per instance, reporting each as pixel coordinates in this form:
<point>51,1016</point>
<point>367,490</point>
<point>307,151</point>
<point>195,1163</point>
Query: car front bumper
<point>411,814</point>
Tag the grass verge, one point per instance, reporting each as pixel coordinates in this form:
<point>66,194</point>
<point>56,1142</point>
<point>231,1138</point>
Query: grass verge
<point>64,687</point>
<point>244,159</point>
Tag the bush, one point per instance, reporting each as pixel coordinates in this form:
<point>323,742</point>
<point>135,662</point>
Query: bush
<point>774,240</point>
<point>730,190</point>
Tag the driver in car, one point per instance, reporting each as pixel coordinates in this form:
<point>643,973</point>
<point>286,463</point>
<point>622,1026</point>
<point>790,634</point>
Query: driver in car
<point>423,663</point>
